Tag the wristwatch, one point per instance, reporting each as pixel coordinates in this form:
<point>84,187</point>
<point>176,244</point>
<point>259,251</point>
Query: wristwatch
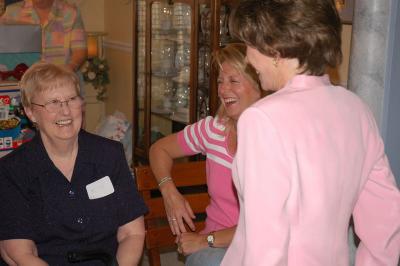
<point>210,239</point>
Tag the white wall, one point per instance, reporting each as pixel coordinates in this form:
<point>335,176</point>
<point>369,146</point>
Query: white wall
<point>92,13</point>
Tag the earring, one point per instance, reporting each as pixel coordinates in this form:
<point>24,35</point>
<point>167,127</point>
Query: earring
<point>275,62</point>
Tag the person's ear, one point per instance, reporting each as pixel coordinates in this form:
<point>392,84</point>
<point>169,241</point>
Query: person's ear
<point>29,114</point>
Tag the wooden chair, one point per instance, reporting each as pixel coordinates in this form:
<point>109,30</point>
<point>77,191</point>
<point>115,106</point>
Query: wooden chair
<point>190,179</point>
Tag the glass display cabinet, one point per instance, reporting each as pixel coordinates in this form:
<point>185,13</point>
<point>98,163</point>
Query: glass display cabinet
<point>174,82</point>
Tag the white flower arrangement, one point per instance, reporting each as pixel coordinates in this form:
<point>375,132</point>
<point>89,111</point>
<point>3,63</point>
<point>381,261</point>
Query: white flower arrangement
<point>95,72</point>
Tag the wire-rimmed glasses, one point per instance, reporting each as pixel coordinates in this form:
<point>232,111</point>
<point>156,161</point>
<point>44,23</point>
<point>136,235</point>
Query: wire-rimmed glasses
<point>55,105</point>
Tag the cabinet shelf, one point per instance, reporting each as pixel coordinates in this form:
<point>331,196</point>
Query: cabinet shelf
<point>165,74</point>
<point>173,116</point>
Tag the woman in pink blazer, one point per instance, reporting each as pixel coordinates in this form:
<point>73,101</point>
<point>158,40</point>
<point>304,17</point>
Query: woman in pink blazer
<point>309,156</point>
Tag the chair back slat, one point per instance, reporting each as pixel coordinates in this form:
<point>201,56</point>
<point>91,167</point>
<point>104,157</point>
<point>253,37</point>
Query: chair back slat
<point>184,174</point>
<point>161,237</point>
<point>198,203</point>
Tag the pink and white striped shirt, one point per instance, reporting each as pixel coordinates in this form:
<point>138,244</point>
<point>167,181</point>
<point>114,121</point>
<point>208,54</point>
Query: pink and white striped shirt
<point>207,136</point>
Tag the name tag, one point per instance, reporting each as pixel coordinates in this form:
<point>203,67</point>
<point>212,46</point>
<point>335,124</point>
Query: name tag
<point>100,188</point>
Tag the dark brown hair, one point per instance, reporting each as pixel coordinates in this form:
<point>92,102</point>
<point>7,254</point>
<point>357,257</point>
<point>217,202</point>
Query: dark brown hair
<point>308,30</point>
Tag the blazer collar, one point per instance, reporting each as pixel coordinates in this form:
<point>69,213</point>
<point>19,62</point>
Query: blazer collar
<point>305,82</point>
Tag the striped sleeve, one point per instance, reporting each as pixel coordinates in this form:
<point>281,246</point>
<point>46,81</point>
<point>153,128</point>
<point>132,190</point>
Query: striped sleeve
<point>204,136</point>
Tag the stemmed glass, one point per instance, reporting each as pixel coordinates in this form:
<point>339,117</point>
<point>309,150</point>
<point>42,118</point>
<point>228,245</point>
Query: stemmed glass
<point>205,23</point>
<point>223,25</point>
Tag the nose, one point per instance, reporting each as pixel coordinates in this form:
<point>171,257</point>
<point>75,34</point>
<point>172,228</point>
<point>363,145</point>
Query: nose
<point>65,107</point>
<point>223,87</point>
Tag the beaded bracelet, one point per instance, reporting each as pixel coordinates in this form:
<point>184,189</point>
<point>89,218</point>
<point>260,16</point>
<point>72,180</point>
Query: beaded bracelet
<point>164,179</point>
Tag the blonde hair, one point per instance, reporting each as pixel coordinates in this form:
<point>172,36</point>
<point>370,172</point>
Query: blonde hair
<point>44,76</point>
<point>235,55</point>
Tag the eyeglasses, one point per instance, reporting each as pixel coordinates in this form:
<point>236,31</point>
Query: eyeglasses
<point>55,105</point>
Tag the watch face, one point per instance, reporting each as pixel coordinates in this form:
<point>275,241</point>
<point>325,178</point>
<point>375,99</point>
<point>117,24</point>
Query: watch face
<point>210,240</point>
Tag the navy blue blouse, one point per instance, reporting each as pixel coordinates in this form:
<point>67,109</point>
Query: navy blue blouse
<point>37,202</point>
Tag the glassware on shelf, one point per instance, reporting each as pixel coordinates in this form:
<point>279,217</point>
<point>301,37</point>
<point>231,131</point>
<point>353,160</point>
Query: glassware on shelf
<point>165,68</point>
<point>181,111</point>
<point>161,16</point>
<point>182,36</point>
<point>162,93</point>
<point>207,63</point>
<point>182,98</point>
<point>200,73</point>
<point>205,23</point>
<point>163,57</point>
<point>182,17</point>
<point>166,17</point>
<point>182,56</point>
<point>203,109</point>
<point>167,56</point>
<point>223,26</point>
<point>169,92</point>
<point>183,76</point>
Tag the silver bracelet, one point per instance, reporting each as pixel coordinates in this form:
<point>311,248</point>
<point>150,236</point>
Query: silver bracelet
<point>164,180</point>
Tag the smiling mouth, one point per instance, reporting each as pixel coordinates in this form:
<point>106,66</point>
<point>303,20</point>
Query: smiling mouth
<point>230,101</point>
<point>62,123</point>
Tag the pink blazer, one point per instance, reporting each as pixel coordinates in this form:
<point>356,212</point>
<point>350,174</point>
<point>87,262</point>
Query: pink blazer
<point>309,157</point>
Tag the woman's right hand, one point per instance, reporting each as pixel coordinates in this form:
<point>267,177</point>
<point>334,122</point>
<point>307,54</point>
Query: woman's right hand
<point>177,209</point>
<point>161,155</point>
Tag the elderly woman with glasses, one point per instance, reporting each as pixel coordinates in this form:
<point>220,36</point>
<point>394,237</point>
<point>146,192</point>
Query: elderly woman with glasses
<point>66,189</point>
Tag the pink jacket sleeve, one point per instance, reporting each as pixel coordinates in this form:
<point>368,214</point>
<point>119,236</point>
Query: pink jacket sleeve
<point>376,214</point>
<point>265,208</point>
<point>377,218</point>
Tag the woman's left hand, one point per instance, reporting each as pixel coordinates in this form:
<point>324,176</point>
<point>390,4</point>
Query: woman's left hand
<point>189,243</point>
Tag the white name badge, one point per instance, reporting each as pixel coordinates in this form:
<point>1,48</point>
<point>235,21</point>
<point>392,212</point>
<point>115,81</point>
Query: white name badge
<point>100,188</point>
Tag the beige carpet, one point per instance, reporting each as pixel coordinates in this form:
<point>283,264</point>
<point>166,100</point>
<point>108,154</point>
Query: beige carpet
<point>168,258</point>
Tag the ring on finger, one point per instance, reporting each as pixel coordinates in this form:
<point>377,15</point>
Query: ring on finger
<point>173,219</point>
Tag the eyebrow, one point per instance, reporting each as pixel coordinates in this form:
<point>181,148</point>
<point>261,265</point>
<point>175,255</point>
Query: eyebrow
<point>58,99</point>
